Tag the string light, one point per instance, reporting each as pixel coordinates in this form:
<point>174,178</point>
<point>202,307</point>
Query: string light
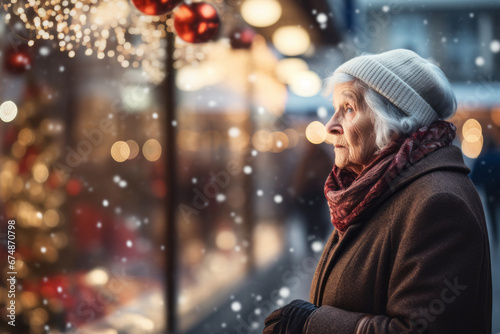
<point>103,28</point>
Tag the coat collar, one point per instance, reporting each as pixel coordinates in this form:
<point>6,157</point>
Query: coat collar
<point>446,158</point>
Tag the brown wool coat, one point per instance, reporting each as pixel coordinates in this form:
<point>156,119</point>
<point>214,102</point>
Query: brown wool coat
<point>419,262</point>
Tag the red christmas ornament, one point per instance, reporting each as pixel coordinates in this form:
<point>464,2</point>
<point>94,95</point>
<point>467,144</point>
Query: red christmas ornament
<point>158,188</point>
<point>242,38</point>
<point>29,158</point>
<point>155,7</point>
<point>196,23</point>
<point>17,60</point>
<point>73,187</point>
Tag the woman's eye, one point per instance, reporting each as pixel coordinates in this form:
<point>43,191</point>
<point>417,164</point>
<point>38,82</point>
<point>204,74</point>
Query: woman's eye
<point>349,109</point>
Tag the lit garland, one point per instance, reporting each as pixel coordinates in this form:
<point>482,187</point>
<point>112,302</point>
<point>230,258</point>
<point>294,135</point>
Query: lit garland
<point>105,28</point>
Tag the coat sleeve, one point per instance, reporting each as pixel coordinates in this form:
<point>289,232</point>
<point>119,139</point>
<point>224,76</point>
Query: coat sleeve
<point>438,257</point>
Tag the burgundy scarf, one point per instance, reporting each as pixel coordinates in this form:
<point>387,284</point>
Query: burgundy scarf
<point>349,194</point>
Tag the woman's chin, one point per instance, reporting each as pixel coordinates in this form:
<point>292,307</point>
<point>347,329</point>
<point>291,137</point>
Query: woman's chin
<point>341,165</point>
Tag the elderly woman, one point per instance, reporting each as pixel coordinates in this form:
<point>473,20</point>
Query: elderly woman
<point>409,252</point>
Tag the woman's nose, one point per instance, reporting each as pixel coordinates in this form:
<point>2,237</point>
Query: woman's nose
<point>333,126</point>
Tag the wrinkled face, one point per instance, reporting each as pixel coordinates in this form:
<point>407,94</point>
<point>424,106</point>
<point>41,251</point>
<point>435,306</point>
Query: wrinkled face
<point>352,128</point>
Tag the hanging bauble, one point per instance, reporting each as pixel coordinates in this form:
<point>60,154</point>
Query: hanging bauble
<point>73,187</point>
<point>17,60</point>
<point>197,22</point>
<point>242,38</point>
<point>155,7</point>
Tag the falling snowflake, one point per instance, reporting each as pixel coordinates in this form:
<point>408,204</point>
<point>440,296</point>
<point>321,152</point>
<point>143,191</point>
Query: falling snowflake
<point>322,112</point>
<point>479,61</point>
<point>495,46</point>
<point>322,18</point>
<point>247,170</point>
<point>105,203</point>
<point>44,51</point>
<point>317,246</point>
<point>129,243</point>
<point>236,306</point>
<point>278,199</point>
<point>234,132</point>
<point>284,292</point>
<point>260,192</point>
<point>220,198</point>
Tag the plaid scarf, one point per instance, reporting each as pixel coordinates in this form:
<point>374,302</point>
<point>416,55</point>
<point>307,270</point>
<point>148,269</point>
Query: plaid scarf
<point>349,194</point>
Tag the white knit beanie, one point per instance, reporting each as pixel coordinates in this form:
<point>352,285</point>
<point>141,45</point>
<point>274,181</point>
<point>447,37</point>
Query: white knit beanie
<point>402,77</point>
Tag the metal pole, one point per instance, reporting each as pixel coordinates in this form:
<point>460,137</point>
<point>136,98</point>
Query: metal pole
<point>170,180</point>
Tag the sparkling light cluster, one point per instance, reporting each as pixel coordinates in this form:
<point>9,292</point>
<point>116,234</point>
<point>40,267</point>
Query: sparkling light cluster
<point>103,28</point>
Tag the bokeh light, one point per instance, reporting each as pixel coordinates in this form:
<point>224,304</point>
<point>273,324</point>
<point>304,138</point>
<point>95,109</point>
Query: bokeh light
<point>120,151</point>
<point>261,13</point>
<point>151,150</point>
<point>8,111</point>
<point>305,83</point>
<point>291,40</point>
<point>495,116</point>
<point>40,172</point>
<point>472,149</point>
<point>280,141</point>
<point>226,240</point>
<point>316,132</point>
<point>134,149</point>
<point>262,140</point>
<point>287,67</point>
<point>97,276</point>
<point>472,142</point>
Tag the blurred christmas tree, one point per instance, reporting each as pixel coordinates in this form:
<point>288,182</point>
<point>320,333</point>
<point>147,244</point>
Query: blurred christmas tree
<point>33,194</point>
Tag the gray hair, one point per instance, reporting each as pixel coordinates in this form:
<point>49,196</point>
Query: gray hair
<point>389,119</point>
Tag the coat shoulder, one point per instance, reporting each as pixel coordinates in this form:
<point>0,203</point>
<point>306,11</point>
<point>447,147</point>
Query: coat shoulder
<point>436,184</point>
<point>437,195</point>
